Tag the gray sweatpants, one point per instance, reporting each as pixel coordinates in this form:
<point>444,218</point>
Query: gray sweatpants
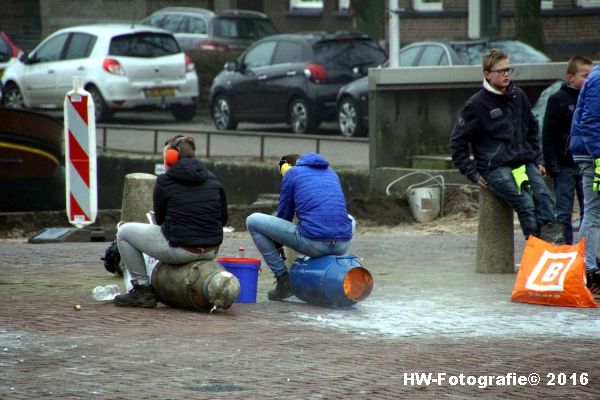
<point>134,238</point>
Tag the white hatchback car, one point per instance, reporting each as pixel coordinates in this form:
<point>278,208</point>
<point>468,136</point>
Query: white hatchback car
<point>124,67</point>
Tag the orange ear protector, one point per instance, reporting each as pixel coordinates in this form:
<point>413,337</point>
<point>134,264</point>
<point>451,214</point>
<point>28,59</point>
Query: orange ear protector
<point>172,154</point>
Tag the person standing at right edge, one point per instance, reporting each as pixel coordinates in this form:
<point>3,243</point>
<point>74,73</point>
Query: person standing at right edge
<point>585,146</point>
<point>498,124</point>
<point>555,139</point>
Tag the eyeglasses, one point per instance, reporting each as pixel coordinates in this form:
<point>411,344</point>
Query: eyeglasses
<point>504,71</point>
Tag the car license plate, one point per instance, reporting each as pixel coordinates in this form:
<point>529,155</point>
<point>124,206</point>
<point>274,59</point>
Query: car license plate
<point>160,92</point>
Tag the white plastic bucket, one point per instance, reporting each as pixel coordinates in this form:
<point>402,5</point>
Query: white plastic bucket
<point>425,203</point>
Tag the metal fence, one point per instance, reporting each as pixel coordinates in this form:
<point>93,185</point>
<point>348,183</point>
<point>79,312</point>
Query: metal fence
<point>243,144</point>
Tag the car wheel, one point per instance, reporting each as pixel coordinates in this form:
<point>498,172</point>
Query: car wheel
<point>183,113</point>
<point>221,114</point>
<point>12,97</point>
<point>300,118</point>
<point>349,119</point>
<point>101,110</point>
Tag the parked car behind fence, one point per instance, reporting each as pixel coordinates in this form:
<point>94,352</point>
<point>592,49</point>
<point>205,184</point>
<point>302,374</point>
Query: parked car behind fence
<point>203,30</point>
<point>123,66</point>
<point>9,52</point>
<point>352,100</point>
<point>212,39</point>
<point>291,78</point>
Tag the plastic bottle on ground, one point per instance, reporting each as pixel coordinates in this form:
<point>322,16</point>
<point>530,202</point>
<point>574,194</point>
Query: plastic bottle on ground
<point>103,293</point>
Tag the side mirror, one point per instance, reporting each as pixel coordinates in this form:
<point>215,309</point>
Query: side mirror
<point>24,58</point>
<point>231,66</point>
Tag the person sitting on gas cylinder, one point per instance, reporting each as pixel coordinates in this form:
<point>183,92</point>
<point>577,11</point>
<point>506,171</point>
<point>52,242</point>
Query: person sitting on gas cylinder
<point>311,190</point>
<point>190,209</point>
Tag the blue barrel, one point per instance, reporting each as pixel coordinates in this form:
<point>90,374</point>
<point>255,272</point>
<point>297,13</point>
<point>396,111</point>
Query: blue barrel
<point>338,281</point>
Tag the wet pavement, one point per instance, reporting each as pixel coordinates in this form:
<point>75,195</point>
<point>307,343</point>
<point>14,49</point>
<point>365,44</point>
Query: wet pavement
<point>429,313</point>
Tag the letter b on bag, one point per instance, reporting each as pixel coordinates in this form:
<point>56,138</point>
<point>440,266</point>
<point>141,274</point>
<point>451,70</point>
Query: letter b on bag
<point>550,271</point>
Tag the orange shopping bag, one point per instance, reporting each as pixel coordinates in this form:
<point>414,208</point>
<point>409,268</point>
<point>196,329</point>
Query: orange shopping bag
<point>552,275</point>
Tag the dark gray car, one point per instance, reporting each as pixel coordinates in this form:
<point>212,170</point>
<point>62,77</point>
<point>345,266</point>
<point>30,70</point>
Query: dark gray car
<point>291,78</point>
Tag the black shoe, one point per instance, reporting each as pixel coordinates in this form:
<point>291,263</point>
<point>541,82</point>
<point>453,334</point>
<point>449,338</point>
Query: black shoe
<point>138,296</point>
<point>282,289</point>
<point>553,233</point>
<point>593,282</point>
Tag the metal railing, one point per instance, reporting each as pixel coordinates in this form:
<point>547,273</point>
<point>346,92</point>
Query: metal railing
<point>260,145</point>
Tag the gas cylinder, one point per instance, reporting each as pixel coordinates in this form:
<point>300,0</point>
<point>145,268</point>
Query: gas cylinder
<point>338,281</point>
<point>200,285</point>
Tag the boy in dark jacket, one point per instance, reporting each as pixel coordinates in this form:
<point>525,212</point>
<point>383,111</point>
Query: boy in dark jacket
<point>555,139</point>
<point>190,209</point>
<point>498,124</point>
<point>585,145</point>
<point>311,191</point>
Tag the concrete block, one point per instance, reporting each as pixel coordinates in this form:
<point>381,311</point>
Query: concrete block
<point>137,197</point>
<point>495,235</point>
<point>432,162</point>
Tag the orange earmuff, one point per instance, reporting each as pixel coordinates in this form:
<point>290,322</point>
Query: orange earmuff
<point>172,154</point>
<point>171,157</point>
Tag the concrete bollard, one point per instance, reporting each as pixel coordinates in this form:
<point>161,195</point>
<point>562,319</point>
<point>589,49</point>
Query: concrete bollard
<point>137,197</point>
<point>495,235</point>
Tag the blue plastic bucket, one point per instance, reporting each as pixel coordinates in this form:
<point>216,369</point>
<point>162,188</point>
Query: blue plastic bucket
<point>246,271</point>
<point>338,281</point>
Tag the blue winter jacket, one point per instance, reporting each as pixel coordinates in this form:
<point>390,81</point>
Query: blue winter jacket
<point>585,129</point>
<point>313,192</point>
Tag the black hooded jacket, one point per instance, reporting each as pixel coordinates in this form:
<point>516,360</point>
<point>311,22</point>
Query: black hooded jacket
<point>501,129</point>
<point>557,129</point>
<point>190,205</point>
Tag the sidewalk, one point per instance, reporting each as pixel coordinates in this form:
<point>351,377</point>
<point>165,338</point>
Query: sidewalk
<point>429,313</point>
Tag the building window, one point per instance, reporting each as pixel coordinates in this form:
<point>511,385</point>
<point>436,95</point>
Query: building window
<point>588,3</point>
<point>306,4</point>
<point>344,5</point>
<point>547,4</point>
<point>427,5</point>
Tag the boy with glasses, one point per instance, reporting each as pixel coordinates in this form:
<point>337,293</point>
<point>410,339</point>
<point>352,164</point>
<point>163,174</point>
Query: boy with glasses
<point>498,124</point>
<point>555,139</point>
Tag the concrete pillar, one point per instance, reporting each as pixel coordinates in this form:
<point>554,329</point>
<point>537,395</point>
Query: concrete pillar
<point>137,197</point>
<point>495,235</point>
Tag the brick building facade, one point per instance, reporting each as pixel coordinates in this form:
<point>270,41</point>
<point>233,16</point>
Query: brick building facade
<point>570,26</point>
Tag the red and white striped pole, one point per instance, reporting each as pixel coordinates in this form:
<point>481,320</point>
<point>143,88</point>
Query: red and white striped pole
<point>80,155</point>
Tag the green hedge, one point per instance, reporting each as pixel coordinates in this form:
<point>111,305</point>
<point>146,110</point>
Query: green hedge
<point>208,65</point>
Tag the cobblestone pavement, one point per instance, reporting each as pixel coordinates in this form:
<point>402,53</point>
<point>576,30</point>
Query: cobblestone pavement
<point>429,313</point>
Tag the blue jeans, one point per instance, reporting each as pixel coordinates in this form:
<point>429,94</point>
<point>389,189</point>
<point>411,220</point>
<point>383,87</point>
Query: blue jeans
<point>590,226</point>
<point>534,207</point>
<point>267,229</point>
<point>566,183</point>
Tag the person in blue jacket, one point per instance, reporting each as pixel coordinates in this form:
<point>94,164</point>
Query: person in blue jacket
<point>585,146</point>
<point>311,190</point>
